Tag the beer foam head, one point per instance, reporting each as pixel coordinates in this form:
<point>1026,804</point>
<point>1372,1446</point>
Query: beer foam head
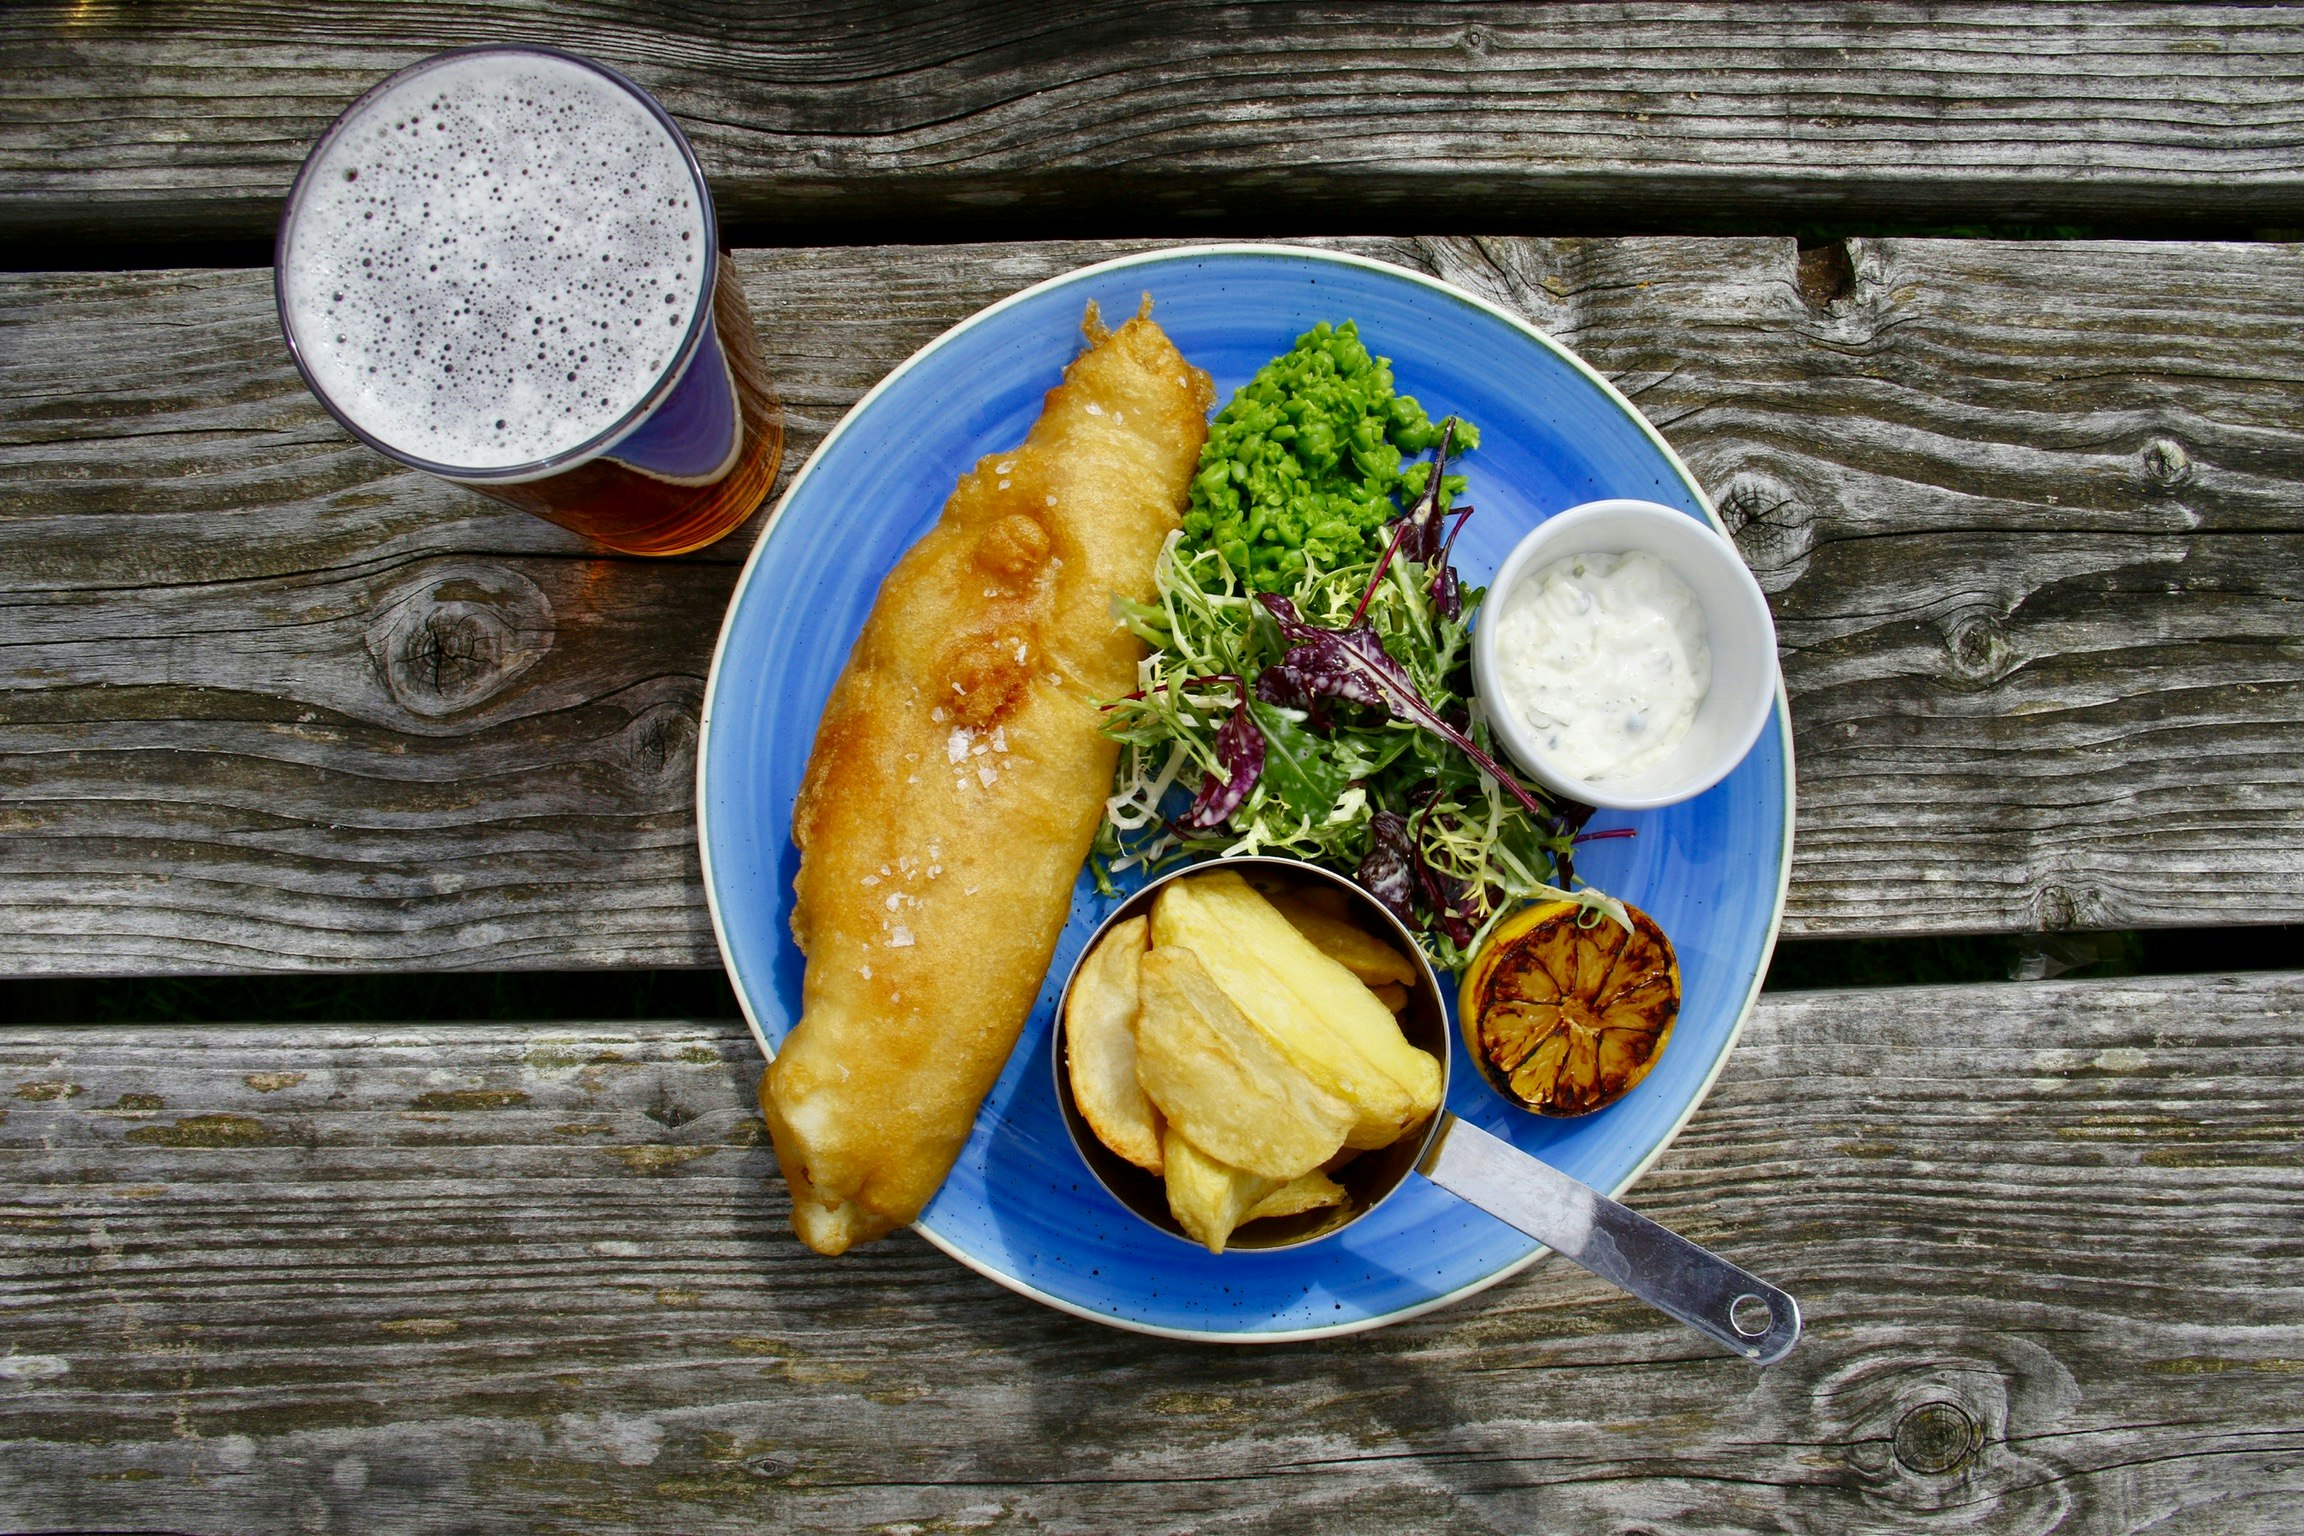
<point>494,259</point>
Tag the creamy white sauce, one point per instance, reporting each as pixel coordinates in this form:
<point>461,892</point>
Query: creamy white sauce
<point>1602,659</point>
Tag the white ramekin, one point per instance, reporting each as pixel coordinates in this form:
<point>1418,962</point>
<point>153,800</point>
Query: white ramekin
<point>1738,630</point>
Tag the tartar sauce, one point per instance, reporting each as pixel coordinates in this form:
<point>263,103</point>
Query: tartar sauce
<point>1602,658</point>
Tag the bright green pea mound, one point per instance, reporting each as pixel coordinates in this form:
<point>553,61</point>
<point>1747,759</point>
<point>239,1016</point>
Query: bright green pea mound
<point>1304,466</point>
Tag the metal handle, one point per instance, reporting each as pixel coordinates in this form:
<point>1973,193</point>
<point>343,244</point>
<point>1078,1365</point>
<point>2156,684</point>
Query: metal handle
<point>1733,1306</point>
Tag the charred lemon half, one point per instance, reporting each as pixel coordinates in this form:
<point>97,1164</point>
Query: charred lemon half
<point>1565,1015</point>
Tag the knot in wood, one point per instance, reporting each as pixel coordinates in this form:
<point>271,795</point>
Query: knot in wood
<point>661,740</point>
<point>454,639</point>
<point>1980,653</point>
<point>2055,907</point>
<point>1929,1434</point>
<point>2166,464</point>
<point>1826,274</point>
<point>1774,528</point>
<point>1936,1438</point>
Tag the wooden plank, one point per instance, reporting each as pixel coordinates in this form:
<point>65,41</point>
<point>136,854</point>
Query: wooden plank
<point>2028,513</point>
<point>1033,119</point>
<point>538,1278</point>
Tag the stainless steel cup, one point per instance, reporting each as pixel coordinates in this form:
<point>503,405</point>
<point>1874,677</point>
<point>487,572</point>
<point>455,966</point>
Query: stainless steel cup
<point>1727,1304</point>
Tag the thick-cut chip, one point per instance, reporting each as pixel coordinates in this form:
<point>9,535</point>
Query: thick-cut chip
<point>1209,1198</point>
<point>1221,1082</point>
<point>1318,895</point>
<point>1313,1192</point>
<point>1392,995</point>
<point>1345,942</point>
<point>1319,1013</point>
<point>1100,1046</point>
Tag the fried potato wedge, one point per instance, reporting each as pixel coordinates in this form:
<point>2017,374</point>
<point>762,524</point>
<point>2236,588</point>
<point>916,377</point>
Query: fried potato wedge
<point>1345,942</point>
<point>1222,1082</point>
<point>1313,1192</point>
<point>1208,1198</point>
<point>1319,896</point>
<point>1327,1022</point>
<point>1100,1046</point>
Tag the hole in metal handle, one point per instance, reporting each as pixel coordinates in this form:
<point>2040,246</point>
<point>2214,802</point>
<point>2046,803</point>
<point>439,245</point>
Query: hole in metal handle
<point>1751,1315</point>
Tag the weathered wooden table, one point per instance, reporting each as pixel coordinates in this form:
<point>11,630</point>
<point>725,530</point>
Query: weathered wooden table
<point>2031,513</point>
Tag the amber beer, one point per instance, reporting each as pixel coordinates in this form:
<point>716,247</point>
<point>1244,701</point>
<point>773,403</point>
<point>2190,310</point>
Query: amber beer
<point>500,266</point>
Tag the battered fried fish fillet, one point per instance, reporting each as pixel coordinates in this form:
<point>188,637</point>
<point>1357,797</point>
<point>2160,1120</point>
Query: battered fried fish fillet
<point>958,776</point>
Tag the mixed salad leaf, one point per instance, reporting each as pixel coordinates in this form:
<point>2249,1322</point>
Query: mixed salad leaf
<point>1310,695</point>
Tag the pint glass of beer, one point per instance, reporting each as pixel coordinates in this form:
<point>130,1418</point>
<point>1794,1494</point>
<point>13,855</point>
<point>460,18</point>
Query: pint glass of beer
<point>501,266</point>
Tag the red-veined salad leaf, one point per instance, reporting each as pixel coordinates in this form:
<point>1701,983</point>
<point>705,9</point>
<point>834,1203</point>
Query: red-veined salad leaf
<point>1240,748</point>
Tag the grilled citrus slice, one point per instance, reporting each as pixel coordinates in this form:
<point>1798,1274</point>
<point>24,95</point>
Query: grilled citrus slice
<point>1565,1018</point>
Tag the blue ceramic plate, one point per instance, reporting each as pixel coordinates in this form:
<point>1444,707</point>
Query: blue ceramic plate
<point>1021,1207</point>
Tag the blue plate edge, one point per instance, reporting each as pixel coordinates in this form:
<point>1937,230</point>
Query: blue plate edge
<point>1294,252</point>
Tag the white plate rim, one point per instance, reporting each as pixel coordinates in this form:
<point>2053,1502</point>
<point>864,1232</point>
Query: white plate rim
<point>1341,258</point>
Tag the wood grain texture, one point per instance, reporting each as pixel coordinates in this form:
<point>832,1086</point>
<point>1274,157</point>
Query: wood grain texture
<point>188,121</point>
<point>2030,516</point>
<point>496,1278</point>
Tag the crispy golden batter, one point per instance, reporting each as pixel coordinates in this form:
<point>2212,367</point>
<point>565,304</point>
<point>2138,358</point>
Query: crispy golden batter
<point>958,776</point>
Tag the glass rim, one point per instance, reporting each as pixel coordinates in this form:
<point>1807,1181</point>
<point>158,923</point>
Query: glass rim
<point>699,320</point>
